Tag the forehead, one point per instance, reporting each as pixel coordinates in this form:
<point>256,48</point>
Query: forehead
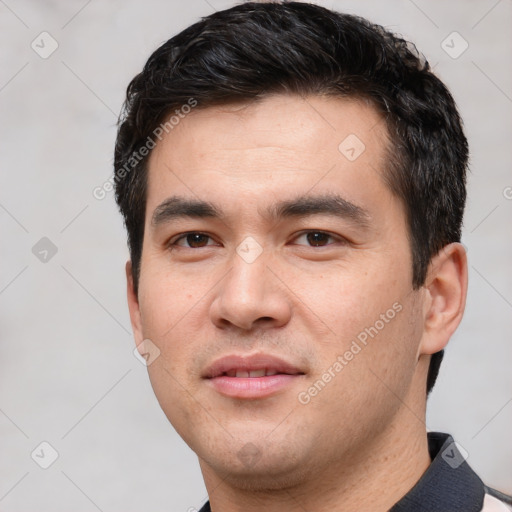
<point>261,150</point>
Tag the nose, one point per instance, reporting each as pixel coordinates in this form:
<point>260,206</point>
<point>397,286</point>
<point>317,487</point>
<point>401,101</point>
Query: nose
<point>250,296</point>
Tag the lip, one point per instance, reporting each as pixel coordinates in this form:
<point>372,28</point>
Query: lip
<point>271,375</point>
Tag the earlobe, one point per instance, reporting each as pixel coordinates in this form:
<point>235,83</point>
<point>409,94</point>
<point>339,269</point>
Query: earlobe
<point>446,288</point>
<point>133,305</point>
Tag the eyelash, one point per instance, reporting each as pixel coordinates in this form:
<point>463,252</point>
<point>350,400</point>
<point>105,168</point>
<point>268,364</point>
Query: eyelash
<point>173,243</point>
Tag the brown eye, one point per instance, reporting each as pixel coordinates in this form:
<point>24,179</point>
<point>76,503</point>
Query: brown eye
<point>192,241</point>
<point>316,238</point>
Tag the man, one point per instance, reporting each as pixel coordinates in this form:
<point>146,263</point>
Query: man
<point>293,184</point>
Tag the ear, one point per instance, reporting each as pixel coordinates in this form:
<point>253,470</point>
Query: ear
<point>133,305</point>
<point>445,297</point>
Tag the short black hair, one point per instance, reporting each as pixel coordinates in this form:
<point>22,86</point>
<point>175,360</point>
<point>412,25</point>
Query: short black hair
<point>255,49</point>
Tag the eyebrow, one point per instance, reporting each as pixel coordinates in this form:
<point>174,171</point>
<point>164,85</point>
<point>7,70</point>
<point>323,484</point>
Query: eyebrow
<point>328,204</point>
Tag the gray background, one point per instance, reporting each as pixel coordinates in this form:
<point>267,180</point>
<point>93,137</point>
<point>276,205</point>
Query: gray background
<point>68,375</point>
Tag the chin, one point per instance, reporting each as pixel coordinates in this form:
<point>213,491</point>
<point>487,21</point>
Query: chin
<point>248,470</point>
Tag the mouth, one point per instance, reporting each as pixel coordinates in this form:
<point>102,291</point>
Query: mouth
<point>254,376</point>
<point>251,374</point>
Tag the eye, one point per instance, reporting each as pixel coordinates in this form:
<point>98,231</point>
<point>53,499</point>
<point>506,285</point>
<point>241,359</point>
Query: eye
<point>198,240</point>
<point>318,238</point>
<point>192,240</point>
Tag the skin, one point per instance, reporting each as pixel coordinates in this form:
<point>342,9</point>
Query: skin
<point>360,443</point>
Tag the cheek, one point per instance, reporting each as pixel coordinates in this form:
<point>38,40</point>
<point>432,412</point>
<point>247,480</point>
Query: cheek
<point>374,332</point>
<point>170,315</point>
<point>170,320</point>
<point>168,300</point>
<point>382,355</point>
<point>378,364</point>
<point>175,396</point>
<point>349,299</point>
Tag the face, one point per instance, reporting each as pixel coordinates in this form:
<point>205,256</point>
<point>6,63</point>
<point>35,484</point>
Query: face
<point>276,284</point>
